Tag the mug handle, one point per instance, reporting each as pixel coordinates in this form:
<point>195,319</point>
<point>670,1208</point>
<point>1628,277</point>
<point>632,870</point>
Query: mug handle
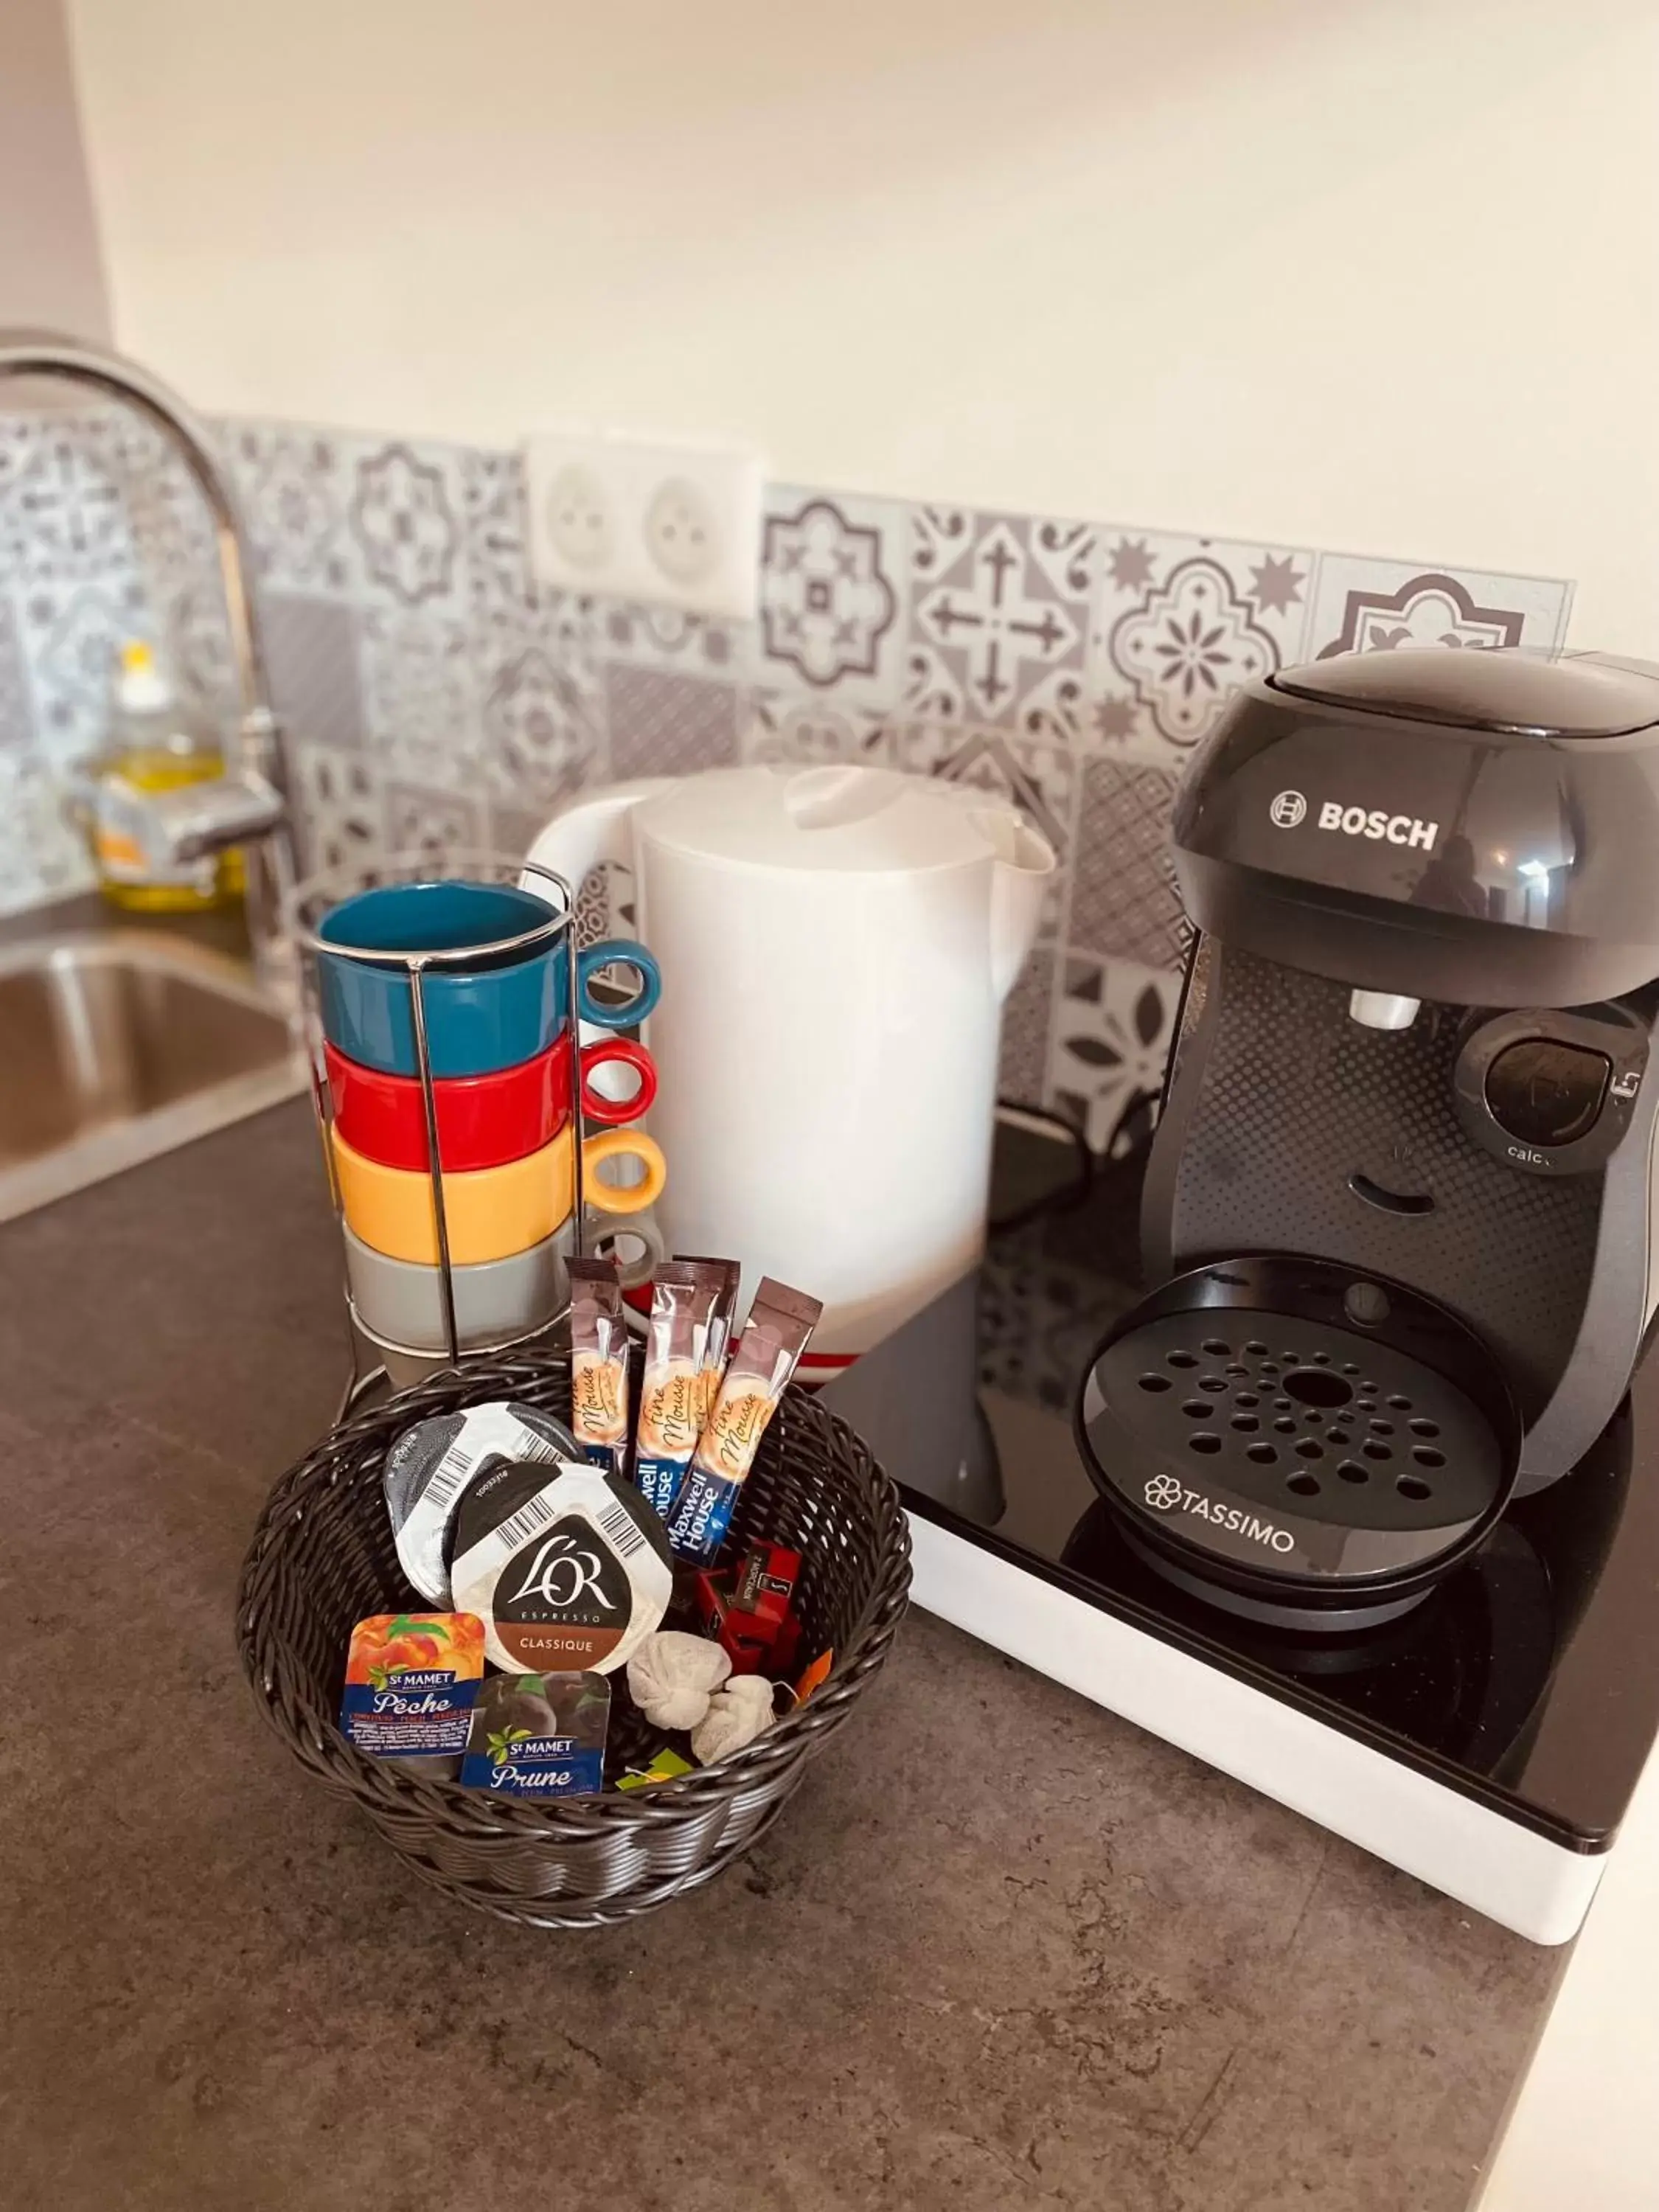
<point>642,1228</point>
<point>618,1051</point>
<point>617,1198</point>
<point>632,954</point>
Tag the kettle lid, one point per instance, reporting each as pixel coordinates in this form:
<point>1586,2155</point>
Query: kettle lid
<point>1519,694</point>
<point>844,816</point>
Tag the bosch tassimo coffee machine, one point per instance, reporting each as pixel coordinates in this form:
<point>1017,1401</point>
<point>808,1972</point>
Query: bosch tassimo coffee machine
<point>1350,1493</point>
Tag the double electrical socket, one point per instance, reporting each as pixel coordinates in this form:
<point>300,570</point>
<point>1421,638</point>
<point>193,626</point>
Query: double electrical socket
<point>673,525</point>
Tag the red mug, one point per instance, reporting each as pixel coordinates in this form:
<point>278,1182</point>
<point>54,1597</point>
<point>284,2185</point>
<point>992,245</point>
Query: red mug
<point>483,1121</point>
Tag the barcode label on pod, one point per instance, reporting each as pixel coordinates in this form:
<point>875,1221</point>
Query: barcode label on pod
<point>451,1472</point>
<point>523,1523</point>
<point>619,1527</point>
<point>469,1452</point>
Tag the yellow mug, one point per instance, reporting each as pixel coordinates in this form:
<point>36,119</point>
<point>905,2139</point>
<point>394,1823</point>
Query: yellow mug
<point>491,1212</point>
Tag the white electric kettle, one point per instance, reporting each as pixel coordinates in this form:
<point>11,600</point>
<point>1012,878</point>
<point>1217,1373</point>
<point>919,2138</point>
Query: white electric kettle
<point>835,945</point>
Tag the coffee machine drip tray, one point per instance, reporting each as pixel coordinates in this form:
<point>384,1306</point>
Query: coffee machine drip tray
<point>1487,1738</point>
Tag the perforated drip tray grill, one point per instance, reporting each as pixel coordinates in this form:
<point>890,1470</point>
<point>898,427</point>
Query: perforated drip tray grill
<point>1287,1414</point>
<point>1270,1443</point>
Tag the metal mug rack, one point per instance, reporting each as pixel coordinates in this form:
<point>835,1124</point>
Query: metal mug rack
<point>308,904</point>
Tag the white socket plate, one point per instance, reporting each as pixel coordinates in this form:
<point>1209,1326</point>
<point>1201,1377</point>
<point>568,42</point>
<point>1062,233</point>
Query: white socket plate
<point>675,525</point>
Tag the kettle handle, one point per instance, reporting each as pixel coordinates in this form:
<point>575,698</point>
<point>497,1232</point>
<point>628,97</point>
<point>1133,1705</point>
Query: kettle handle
<point>592,830</point>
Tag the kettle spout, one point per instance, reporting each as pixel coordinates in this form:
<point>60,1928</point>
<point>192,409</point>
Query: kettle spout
<point>1020,878</point>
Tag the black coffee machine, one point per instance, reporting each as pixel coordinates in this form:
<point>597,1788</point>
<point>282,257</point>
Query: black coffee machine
<point>1400,1199</point>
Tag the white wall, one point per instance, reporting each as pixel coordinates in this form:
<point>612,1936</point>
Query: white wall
<point>51,276</point>
<point>1366,273</point>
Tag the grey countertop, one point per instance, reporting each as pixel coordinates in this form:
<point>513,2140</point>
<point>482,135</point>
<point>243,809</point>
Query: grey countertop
<point>1002,1949</point>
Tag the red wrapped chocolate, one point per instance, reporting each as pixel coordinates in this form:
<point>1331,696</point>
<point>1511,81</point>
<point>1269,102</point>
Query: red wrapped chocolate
<point>756,1642</point>
<point>765,1581</point>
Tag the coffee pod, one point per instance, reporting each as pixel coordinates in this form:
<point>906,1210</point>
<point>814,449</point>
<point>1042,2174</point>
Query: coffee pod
<point>567,1570</point>
<point>431,1466</point>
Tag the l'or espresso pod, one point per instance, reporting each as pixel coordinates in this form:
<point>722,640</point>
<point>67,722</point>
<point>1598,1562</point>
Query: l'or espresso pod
<point>568,1568</point>
<point>773,1338</point>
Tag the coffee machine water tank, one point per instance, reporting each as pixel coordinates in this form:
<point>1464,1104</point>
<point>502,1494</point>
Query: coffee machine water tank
<point>1419,1004</point>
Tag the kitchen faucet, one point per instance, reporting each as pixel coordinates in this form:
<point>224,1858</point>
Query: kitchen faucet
<point>248,805</point>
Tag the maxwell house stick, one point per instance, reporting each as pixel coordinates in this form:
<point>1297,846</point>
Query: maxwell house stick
<point>773,1338</point>
<point>598,1364</point>
<point>683,1296</point>
<point>718,1337</point>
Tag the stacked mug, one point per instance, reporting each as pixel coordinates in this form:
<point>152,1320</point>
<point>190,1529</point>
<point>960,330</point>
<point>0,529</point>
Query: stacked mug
<point>446,1013</point>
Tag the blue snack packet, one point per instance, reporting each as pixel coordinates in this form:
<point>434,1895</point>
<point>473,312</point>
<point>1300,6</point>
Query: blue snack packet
<point>539,1735</point>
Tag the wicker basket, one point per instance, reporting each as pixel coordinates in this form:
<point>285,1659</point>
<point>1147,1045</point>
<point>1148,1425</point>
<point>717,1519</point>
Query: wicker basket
<point>323,1558</point>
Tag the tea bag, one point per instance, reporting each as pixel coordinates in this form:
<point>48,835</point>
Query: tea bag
<point>672,1677</point>
<point>736,1715</point>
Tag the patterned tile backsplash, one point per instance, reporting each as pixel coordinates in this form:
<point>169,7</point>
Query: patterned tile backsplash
<point>434,693</point>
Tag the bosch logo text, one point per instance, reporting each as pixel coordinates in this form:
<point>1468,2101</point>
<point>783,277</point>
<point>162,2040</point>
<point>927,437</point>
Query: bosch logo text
<point>1376,821</point>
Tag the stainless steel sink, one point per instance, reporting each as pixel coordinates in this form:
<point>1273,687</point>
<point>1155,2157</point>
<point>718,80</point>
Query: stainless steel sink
<point>117,1044</point>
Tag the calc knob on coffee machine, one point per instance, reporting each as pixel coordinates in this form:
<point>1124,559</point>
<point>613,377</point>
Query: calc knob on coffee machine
<point>1544,1092</point>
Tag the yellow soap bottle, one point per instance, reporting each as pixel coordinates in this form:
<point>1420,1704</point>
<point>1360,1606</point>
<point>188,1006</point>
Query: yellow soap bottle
<point>152,746</point>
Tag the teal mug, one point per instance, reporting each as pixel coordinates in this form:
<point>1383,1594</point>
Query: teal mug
<point>503,1001</point>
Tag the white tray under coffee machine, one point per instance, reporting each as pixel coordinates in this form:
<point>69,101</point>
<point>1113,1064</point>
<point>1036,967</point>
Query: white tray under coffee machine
<point>1418,1054</point>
